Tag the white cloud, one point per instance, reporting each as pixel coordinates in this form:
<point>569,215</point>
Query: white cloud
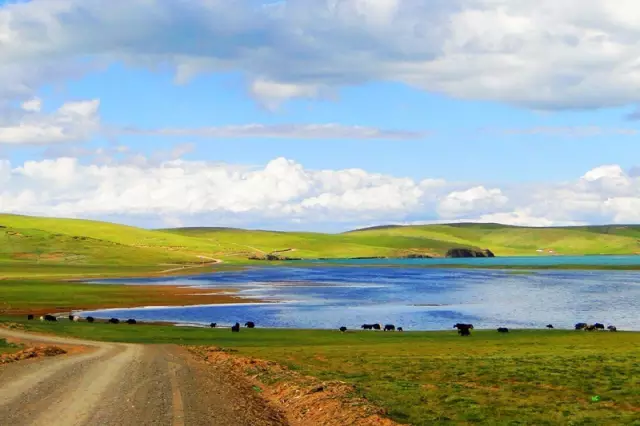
<point>32,105</point>
<point>294,131</point>
<point>72,122</point>
<point>283,193</point>
<point>473,200</point>
<point>546,54</point>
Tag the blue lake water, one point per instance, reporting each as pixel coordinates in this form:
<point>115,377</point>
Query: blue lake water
<point>328,296</point>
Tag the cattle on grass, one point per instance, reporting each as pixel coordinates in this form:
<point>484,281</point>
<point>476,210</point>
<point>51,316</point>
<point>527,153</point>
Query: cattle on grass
<point>464,329</point>
<point>114,321</point>
<point>367,326</point>
<point>249,324</point>
<point>598,326</point>
<point>389,327</point>
<point>343,329</point>
<point>580,326</point>
<point>236,328</point>
<point>90,319</point>
<point>213,325</point>
<point>131,321</point>
<point>591,328</point>
<point>50,318</point>
<point>30,317</point>
<point>377,327</point>
<point>549,326</point>
<point>612,328</point>
<point>503,330</point>
<point>400,329</point>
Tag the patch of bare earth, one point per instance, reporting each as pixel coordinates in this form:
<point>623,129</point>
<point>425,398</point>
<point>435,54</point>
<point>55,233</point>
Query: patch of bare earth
<point>33,352</point>
<point>304,400</point>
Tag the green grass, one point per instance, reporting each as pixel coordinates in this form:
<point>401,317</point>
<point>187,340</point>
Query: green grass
<point>521,378</point>
<point>7,348</point>
<point>51,247</point>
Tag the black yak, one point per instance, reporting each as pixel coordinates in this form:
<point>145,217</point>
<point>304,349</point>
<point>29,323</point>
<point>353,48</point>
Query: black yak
<point>463,329</point>
<point>114,321</point>
<point>377,327</point>
<point>50,318</point>
<point>612,328</point>
<point>213,325</point>
<point>581,326</point>
<point>598,326</point>
<point>549,325</point>
<point>389,327</point>
<point>236,328</point>
<point>343,329</point>
<point>400,329</point>
<point>131,321</point>
<point>367,326</point>
<point>30,317</point>
<point>249,324</point>
<point>90,319</point>
<point>503,330</point>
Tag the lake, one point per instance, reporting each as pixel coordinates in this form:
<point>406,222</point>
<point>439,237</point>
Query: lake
<point>328,296</point>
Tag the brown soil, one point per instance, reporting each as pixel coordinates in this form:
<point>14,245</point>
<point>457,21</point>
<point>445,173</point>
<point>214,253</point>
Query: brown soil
<point>143,295</point>
<point>34,352</point>
<point>304,400</point>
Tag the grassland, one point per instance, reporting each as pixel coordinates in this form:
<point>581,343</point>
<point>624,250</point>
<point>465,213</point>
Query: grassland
<point>63,248</point>
<point>524,377</point>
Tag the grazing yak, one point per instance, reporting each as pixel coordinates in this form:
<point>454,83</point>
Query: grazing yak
<point>503,330</point>
<point>598,326</point>
<point>549,325</point>
<point>464,329</point>
<point>70,317</point>
<point>612,328</point>
<point>131,321</point>
<point>389,327</point>
<point>367,326</point>
<point>343,329</point>
<point>90,319</point>
<point>236,328</point>
<point>50,318</point>
<point>213,325</point>
<point>591,328</point>
<point>581,326</point>
<point>114,321</point>
<point>377,327</point>
<point>249,324</point>
<point>30,317</point>
<point>400,329</point>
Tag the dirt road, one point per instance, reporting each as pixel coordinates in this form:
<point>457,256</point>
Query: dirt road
<point>124,384</point>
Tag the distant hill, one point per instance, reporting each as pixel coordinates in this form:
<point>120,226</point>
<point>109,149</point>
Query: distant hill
<point>25,239</point>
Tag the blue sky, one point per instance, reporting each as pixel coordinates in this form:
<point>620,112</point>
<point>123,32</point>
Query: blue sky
<point>319,114</point>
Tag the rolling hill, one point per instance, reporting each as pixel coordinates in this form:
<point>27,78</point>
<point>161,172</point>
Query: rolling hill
<point>36,242</point>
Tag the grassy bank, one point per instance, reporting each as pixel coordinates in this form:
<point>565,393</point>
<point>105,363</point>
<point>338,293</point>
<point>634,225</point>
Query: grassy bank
<point>20,297</point>
<point>542,377</point>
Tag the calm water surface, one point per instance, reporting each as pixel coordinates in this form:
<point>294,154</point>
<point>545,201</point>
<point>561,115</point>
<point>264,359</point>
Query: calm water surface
<point>415,298</point>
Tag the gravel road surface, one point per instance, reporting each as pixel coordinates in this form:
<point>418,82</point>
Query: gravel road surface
<point>125,384</point>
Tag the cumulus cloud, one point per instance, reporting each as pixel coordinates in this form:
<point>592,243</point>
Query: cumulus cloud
<point>546,54</point>
<point>72,122</point>
<point>284,194</point>
<point>473,200</point>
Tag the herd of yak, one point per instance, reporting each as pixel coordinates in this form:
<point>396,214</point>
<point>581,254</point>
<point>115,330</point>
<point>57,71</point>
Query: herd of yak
<point>463,329</point>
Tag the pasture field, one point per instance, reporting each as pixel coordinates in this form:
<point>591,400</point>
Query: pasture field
<point>66,248</point>
<point>525,377</point>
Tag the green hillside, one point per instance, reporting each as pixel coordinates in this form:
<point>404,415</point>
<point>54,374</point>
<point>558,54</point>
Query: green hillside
<point>36,243</point>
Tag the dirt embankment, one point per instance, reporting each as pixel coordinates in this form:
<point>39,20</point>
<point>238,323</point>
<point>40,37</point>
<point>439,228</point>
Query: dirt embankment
<point>304,400</point>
